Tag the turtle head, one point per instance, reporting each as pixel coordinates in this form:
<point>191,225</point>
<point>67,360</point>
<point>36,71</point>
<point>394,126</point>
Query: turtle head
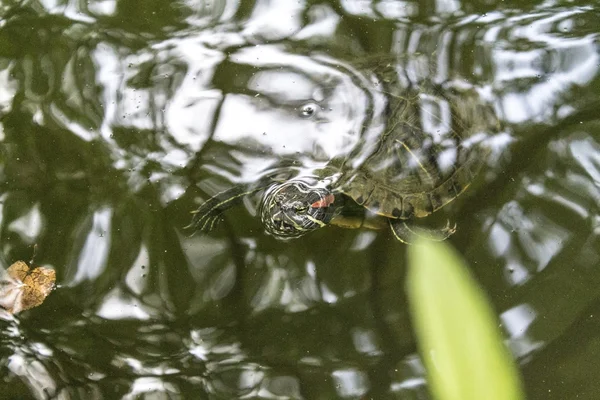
<point>294,208</point>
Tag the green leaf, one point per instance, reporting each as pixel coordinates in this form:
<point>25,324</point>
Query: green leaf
<point>457,330</point>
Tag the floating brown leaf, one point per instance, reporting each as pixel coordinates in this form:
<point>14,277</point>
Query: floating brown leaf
<point>22,288</point>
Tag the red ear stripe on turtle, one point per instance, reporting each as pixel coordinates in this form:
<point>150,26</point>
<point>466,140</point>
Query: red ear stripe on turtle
<point>324,202</point>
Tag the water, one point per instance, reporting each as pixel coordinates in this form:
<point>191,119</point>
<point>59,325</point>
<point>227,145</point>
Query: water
<point>119,118</point>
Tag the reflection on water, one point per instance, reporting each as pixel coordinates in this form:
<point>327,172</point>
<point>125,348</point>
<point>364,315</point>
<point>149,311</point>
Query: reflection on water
<point>118,118</point>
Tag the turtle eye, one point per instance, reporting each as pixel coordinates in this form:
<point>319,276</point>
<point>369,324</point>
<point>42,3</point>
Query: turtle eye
<point>299,207</point>
<point>308,110</point>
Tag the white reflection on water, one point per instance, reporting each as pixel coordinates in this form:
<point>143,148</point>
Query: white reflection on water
<point>139,112</point>
<point>554,64</point>
<point>152,388</point>
<point>587,153</point>
<point>33,373</point>
<point>281,386</point>
<point>359,7</point>
<point>74,127</point>
<point>118,304</point>
<point>272,20</point>
<point>363,240</point>
<point>238,380</point>
<point>189,116</point>
<point>205,12</point>
<point>8,88</point>
<point>139,368</point>
<point>221,283</point>
<point>366,341</point>
<point>394,9</point>
<point>102,7</point>
<point>350,382</point>
<point>323,23</point>
<point>328,295</point>
<point>527,240</point>
<point>269,118</point>
<point>28,362</point>
<point>91,259</point>
<point>409,376</point>
<point>108,73</point>
<point>29,225</point>
<point>191,109</point>
<point>532,230</point>
<point>517,321</point>
<point>137,276</point>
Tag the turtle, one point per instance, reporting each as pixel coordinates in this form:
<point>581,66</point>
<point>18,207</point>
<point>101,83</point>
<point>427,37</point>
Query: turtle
<point>427,154</point>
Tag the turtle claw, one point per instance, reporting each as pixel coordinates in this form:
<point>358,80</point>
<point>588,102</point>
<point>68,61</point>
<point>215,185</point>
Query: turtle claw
<point>206,217</point>
<point>406,232</point>
<point>203,221</point>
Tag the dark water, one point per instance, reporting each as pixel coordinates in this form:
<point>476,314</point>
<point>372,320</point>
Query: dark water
<point>117,118</point>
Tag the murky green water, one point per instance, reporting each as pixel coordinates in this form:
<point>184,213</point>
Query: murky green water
<point>118,118</point>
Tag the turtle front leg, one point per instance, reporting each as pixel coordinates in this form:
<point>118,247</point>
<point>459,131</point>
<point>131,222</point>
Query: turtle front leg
<point>209,213</point>
<point>405,231</point>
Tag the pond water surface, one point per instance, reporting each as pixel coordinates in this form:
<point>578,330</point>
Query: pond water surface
<point>118,118</point>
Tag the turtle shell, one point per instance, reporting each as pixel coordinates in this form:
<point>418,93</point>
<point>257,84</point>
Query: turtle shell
<point>425,155</point>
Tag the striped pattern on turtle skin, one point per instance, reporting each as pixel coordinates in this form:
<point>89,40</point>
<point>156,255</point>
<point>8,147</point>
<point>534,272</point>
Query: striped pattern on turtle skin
<point>293,208</point>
